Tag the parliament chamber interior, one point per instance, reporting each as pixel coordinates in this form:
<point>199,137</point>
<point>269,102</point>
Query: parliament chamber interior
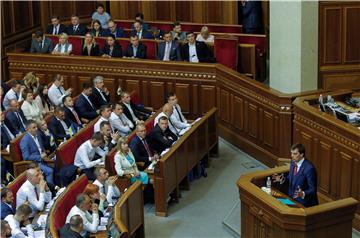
<point>180,119</point>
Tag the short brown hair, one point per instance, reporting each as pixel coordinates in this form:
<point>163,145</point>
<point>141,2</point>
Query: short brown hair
<point>300,147</point>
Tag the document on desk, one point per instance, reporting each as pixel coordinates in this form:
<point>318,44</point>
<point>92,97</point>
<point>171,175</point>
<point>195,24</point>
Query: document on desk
<point>39,234</point>
<point>101,228</point>
<point>42,219</point>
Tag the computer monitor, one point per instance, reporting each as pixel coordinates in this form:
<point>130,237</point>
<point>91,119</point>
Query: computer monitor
<point>342,116</point>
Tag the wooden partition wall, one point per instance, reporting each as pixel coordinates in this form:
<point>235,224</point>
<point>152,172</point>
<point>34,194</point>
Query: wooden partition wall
<point>332,145</point>
<point>252,116</point>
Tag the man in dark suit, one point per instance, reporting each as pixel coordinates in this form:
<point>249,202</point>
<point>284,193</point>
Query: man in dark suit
<point>140,17</point>
<point>135,49</point>
<point>41,44</point>
<point>161,137</point>
<point>76,28</point>
<point>196,51</point>
<point>32,149</point>
<point>169,49</point>
<point>140,146</point>
<point>73,228</point>
<point>140,31</point>
<point>7,200</point>
<point>114,30</point>
<point>59,126</point>
<point>132,111</point>
<point>70,112</point>
<point>252,17</point>
<point>84,106</point>
<point>6,132</point>
<point>46,138</point>
<point>16,117</point>
<point>302,178</point>
<point>55,28</point>
<point>100,94</point>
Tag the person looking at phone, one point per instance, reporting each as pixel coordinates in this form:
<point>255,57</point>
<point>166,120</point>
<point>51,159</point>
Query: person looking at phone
<point>302,178</point>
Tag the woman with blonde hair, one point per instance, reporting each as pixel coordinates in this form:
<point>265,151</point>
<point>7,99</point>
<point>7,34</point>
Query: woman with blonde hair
<point>63,47</point>
<point>90,48</point>
<point>31,82</point>
<point>125,163</point>
<point>205,35</point>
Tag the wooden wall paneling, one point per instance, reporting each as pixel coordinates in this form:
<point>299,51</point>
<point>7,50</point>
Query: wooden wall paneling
<point>351,50</point>
<point>111,85</point>
<point>183,93</point>
<point>8,17</point>
<point>345,177</point>
<point>253,120</point>
<point>344,79</point>
<point>164,10</point>
<point>261,124</point>
<point>207,98</point>
<point>157,93</point>
<point>64,9</point>
<point>182,11</point>
<point>195,96</point>
<point>81,79</point>
<point>22,10</point>
<point>229,12</point>
<point>84,9</point>
<point>213,12</point>
<point>336,172</point>
<point>132,85</point>
<point>148,9</point>
<point>197,11</point>
<point>224,107</point>
<point>134,7</point>
<point>118,10</point>
<point>144,92</point>
<point>238,113</point>
<point>330,35</point>
<point>355,185</point>
<point>324,167</point>
<point>247,60</point>
<point>269,129</point>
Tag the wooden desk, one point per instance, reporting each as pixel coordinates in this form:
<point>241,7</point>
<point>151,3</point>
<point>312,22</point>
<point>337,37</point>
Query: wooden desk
<point>175,165</point>
<point>333,146</point>
<point>264,216</point>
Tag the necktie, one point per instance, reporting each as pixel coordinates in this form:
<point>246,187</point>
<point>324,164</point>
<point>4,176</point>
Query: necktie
<point>37,195</point>
<point>75,28</point>
<point>76,116</point>
<point>177,110</point>
<point>20,120</point>
<point>147,148</point>
<point>122,121</point>
<point>57,30</point>
<point>40,45</point>
<point>90,103</point>
<point>177,133</point>
<point>134,51</point>
<point>295,169</point>
<point>102,95</point>
<point>103,189</point>
<point>17,96</point>
<point>60,90</point>
<point>167,51</point>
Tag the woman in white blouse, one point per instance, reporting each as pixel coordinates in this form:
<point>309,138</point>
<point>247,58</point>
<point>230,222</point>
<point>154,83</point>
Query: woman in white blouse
<point>43,101</point>
<point>125,163</point>
<point>63,47</point>
<point>30,108</point>
<point>205,35</point>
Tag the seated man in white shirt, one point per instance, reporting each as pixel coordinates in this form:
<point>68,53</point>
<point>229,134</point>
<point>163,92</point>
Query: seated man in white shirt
<point>21,216</point>
<point>56,92</point>
<point>177,117</point>
<point>105,112</point>
<point>5,229</point>
<point>82,208</point>
<point>119,121</point>
<point>85,155</point>
<point>34,191</point>
<point>15,92</point>
<point>167,112</point>
<point>107,185</point>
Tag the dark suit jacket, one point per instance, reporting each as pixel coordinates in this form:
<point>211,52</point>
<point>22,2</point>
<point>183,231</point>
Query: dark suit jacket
<point>117,51</point>
<point>45,141</point>
<point>80,31</point>
<point>138,149</point>
<point>140,53</point>
<point>97,100</point>
<point>140,112</point>
<point>95,51</point>
<point>307,181</point>
<point>70,117</point>
<point>119,33</point>
<point>50,29</point>
<point>29,149</point>
<point>174,51</point>
<point>6,210</point>
<point>252,17</point>
<point>47,47</point>
<point>5,140</point>
<point>66,232</point>
<point>102,33</point>
<point>84,109</point>
<point>159,140</point>
<point>202,51</point>
<point>144,35</point>
<point>16,124</point>
<point>57,129</point>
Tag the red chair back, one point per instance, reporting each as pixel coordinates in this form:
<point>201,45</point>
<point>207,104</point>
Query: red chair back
<point>65,202</point>
<point>135,98</point>
<point>225,51</point>
<point>110,162</point>
<point>151,48</point>
<point>65,154</point>
<point>15,185</point>
<point>101,42</point>
<point>124,43</point>
<point>54,39</point>
<point>15,150</point>
<point>76,42</point>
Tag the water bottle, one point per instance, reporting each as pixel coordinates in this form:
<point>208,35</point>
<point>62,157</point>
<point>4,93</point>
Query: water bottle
<point>268,185</point>
<point>321,100</point>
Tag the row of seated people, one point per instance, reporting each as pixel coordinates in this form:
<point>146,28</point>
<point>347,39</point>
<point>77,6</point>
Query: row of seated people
<point>103,25</point>
<point>159,139</point>
<point>169,49</point>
